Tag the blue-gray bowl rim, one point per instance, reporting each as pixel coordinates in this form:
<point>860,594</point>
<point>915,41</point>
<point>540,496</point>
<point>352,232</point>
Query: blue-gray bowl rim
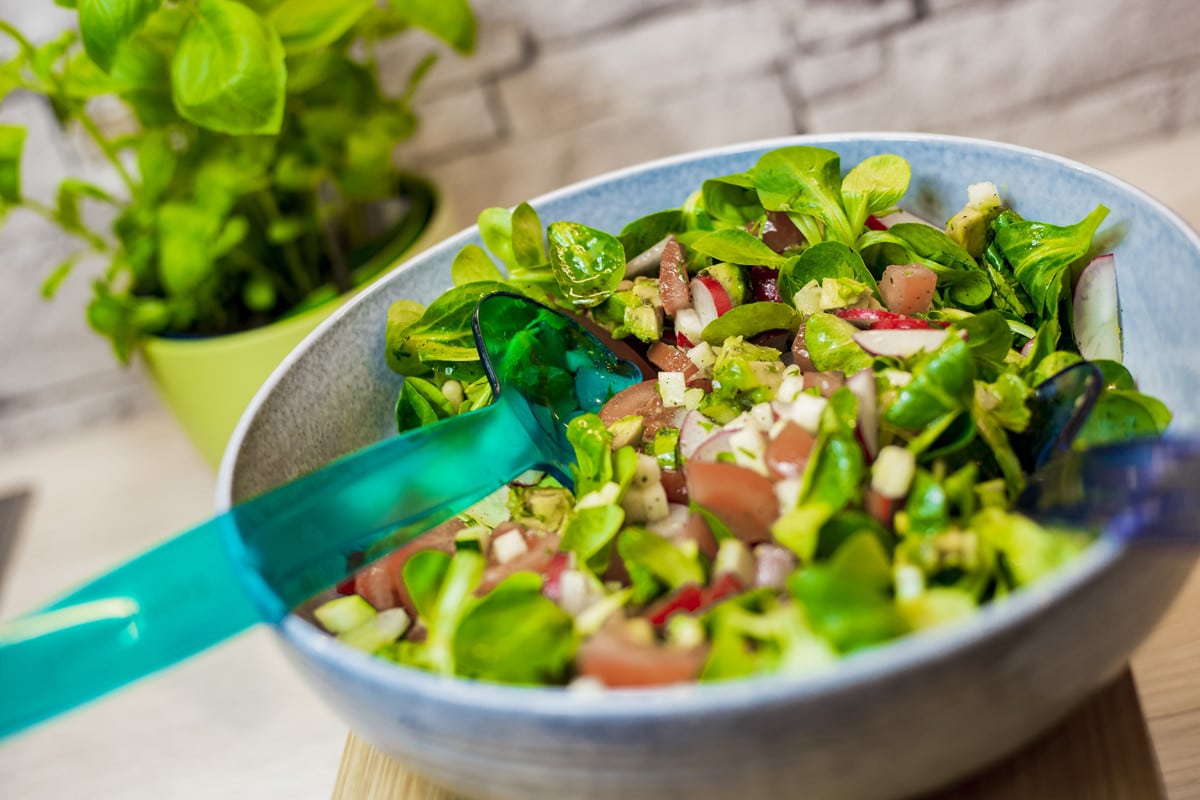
<point>909,652</point>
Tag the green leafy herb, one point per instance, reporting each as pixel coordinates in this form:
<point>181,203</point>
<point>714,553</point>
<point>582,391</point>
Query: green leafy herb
<point>588,264</point>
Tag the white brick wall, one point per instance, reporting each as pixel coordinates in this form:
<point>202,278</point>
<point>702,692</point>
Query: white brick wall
<point>559,91</point>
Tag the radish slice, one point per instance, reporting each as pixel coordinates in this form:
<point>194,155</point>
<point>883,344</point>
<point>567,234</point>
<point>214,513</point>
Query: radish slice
<point>1096,312</point>
<point>713,446</point>
<point>900,343</point>
<point>710,300</point>
<point>862,384</point>
<point>896,218</point>
<point>877,318</point>
<point>688,327</point>
<point>695,430</point>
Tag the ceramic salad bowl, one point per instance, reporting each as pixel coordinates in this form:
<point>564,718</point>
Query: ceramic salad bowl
<point>889,722</point>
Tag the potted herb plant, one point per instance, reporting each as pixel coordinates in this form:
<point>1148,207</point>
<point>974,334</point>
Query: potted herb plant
<point>258,186</point>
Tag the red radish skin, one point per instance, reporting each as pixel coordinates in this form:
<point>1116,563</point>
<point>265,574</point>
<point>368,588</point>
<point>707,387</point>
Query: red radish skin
<point>552,584</point>
<point>709,298</point>
<point>741,498</point>
<point>900,343</point>
<point>672,279</point>
<point>711,449</point>
<point>874,223</point>
<point>691,598</point>
<point>787,453</point>
<point>878,319</point>
<point>686,599</point>
<point>908,288</point>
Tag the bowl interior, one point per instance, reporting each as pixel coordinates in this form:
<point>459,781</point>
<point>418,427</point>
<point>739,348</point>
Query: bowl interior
<point>335,393</point>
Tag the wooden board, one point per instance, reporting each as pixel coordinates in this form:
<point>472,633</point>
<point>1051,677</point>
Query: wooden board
<point>1102,751</point>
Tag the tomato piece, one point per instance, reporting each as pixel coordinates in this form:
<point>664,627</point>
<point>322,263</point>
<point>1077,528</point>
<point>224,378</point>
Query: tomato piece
<point>908,288</point>
<point>672,279</point>
<point>787,453</point>
<point>614,659</point>
<point>741,498</point>
<point>382,583</point>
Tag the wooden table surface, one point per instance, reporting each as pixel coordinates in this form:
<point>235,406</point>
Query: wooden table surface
<point>1138,739</point>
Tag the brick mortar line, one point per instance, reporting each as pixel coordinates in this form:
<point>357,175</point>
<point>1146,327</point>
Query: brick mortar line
<point>1055,99</point>
<point>624,24</point>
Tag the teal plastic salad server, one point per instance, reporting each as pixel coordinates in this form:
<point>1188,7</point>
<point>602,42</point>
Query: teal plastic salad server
<point>265,556</point>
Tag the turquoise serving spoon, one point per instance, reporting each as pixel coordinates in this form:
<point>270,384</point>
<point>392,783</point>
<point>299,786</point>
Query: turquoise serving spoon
<point>263,557</point>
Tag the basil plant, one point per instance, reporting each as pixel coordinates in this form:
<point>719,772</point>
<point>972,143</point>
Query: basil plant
<point>257,178</point>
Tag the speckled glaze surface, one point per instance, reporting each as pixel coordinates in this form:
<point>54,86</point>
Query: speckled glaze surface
<point>888,723</point>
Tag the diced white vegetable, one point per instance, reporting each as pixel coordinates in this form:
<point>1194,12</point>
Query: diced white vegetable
<point>575,592</point>
<point>805,411</point>
<point>763,416</point>
<point>606,495</point>
<point>672,525</point>
<point>791,387</point>
<point>702,356</point>
<point>893,470</point>
<point>734,557</point>
<point>685,631</point>
<point>692,398</point>
<point>671,386</point>
<point>508,546</point>
<point>1095,311</point>
<point>787,492</point>
<point>983,195</point>
<point>910,582</point>
<point>647,472</point>
<point>646,504</point>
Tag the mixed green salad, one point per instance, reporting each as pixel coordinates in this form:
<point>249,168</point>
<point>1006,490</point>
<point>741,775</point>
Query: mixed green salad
<point>824,454</point>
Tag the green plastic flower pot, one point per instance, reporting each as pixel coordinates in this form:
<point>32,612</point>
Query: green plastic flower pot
<point>207,381</point>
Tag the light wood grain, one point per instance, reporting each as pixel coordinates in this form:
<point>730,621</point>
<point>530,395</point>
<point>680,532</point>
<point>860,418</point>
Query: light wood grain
<point>1102,751</point>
